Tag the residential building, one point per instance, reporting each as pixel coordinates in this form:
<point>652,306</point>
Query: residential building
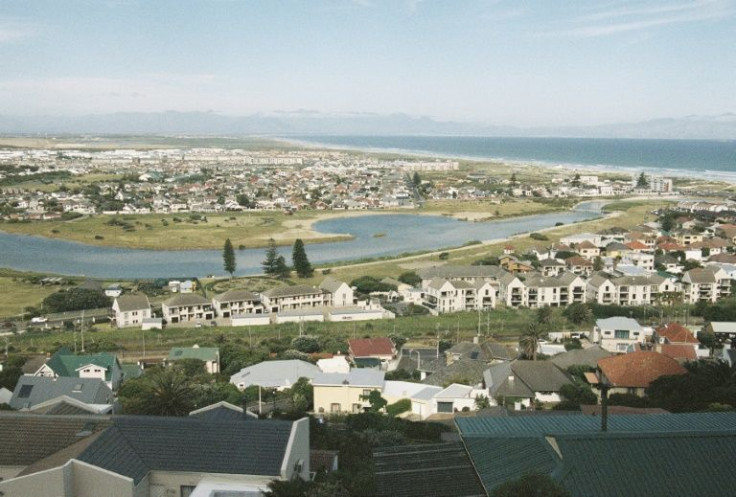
<point>210,356</point>
<point>632,373</point>
<point>187,308</point>
<point>342,293</point>
<point>296,297</point>
<point>616,334</point>
<point>442,295</point>
<point>274,374</point>
<point>381,349</point>
<point>523,383</point>
<point>237,303</point>
<point>707,284</point>
<point>154,456</point>
<point>102,366</point>
<point>31,391</point>
<point>338,393</point>
<point>130,310</point>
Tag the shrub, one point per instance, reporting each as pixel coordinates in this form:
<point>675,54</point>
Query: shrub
<point>538,236</point>
<point>398,407</point>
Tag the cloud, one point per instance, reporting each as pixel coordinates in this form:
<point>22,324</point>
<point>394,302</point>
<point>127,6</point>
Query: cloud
<point>15,29</point>
<point>637,16</point>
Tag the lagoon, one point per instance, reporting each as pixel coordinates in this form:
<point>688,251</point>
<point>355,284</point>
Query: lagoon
<point>400,233</point>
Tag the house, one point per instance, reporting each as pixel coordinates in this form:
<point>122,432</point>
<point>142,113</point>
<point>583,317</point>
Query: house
<point>101,366</point>
<point>523,383</point>
<point>5,395</point>
<point>587,250</point>
<point>580,357</point>
<point>130,310</point>
<point>632,373</point>
<point>337,393</point>
<point>114,290</point>
<point>707,284</point>
<point>209,355</point>
<point>421,396</point>
<point>187,308</point>
<point>274,374</point>
<point>728,355</point>
<point>26,440</point>
<point>676,334</point>
<point>223,411</point>
<point>570,449</point>
<point>616,334</point>
<point>33,390</point>
<point>236,303</point>
<point>335,364</point>
<point>378,348</point>
<point>466,273</point>
<point>296,297</point>
<point>342,293</point>
<point>456,398</point>
<point>723,330</point>
<point>153,456</point>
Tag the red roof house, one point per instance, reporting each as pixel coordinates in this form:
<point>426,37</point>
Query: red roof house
<point>632,373</point>
<point>376,348</point>
<point>675,333</point>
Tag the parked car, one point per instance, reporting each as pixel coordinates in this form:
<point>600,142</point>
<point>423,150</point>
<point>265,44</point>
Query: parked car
<point>39,320</point>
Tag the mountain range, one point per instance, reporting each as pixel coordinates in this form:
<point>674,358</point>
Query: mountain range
<point>714,127</point>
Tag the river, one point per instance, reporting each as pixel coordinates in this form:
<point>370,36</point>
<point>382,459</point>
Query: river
<point>399,234</point>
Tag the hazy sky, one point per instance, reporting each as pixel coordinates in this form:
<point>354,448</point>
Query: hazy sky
<point>510,62</point>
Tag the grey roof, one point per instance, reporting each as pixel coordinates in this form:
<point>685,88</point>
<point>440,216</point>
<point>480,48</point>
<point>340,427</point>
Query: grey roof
<point>136,445</point>
<point>237,296</point>
<point>529,377</point>
<point>529,426</point>
<point>27,438</point>
<point>222,411</point>
<point>32,390</point>
<point>439,470</point>
<point>360,377</point>
<point>456,272</point>
<point>275,374</point>
<point>618,323</point>
<point>331,284</point>
<point>585,357</point>
<point>128,303</point>
<point>186,299</point>
<point>291,291</point>
<point>465,369</point>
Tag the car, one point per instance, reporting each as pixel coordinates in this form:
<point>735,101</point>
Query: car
<point>39,320</point>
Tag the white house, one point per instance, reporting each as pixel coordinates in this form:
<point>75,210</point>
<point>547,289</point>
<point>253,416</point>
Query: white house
<point>342,293</point>
<point>616,334</point>
<point>130,310</point>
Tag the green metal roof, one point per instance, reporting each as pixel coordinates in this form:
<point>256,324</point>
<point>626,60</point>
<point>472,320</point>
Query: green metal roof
<point>530,426</point>
<point>202,353</point>
<point>695,464</point>
<point>64,363</point>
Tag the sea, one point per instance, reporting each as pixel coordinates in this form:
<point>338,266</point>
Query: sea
<point>702,159</point>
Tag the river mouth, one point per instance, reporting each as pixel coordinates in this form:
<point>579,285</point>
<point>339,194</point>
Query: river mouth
<point>401,234</point>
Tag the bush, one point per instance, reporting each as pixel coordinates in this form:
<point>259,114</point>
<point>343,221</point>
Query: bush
<point>398,407</point>
<point>410,278</point>
<point>626,399</point>
<point>538,236</point>
<point>444,256</point>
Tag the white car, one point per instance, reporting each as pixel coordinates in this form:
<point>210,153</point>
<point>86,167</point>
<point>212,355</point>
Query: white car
<point>39,320</point>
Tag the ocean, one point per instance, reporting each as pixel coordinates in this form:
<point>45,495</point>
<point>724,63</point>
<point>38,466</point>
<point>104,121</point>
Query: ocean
<point>704,159</point>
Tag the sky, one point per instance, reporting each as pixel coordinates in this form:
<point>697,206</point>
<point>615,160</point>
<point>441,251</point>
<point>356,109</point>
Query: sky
<point>519,63</point>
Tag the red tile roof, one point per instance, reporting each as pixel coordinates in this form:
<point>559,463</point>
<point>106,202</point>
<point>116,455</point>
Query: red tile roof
<point>676,333</point>
<point>370,347</point>
<point>637,245</point>
<point>638,369</point>
<point>679,351</point>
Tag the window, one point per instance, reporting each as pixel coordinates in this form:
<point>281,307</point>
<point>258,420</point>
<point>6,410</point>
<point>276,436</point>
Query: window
<point>622,334</point>
<point>25,391</point>
<point>335,407</point>
<point>186,490</point>
<point>357,408</point>
<point>366,392</point>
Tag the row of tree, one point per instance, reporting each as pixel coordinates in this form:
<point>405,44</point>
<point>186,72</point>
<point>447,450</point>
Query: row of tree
<point>274,264</point>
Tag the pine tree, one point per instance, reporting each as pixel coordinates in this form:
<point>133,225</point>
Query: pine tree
<point>272,255</point>
<point>299,259</point>
<point>228,256</point>
<point>281,270</point>
<point>642,182</point>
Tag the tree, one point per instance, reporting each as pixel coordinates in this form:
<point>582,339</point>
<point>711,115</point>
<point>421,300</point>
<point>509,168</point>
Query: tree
<point>375,400</point>
<point>281,271</point>
<point>578,313</point>
<point>75,299</point>
<point>416,179</point>
<point>597,263</point>
<point>410,278</point>
<point>160,392</point>
<point>228,257</point>
<point>299,259</point>
<point>531,485</point>
<point>270,263</point>
<point>576,180</point>
<point>529,341</point>
<point>642,182</point>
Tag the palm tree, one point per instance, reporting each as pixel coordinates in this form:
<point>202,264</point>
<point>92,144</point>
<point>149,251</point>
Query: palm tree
<point>529,341</point>
<point>160,392</point>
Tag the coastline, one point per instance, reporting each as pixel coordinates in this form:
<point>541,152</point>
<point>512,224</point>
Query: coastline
<point>612,169</point>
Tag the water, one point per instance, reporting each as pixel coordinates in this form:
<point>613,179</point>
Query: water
<point>683,158</point>
<point>403,233</point>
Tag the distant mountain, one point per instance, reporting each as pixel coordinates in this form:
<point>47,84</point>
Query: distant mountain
<point>720,127</point>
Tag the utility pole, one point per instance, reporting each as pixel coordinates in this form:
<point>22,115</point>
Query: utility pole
<point>82,330</point>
